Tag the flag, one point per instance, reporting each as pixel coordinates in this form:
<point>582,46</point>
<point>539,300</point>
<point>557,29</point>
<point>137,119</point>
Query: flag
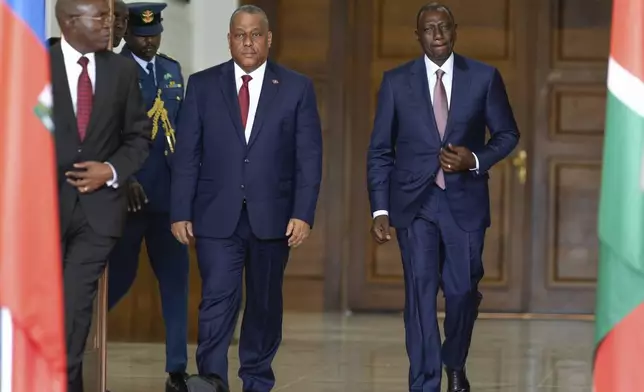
<point>619,326</point>
<point>32,345</point>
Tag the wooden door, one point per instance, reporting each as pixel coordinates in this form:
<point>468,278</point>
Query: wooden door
<point>572,54</point>
<point>302,42</point>
<point>495,32</point>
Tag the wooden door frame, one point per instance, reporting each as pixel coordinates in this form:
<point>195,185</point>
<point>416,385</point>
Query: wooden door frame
<point>336,147</point>
<point>547,293</point>
<point>359,118</point>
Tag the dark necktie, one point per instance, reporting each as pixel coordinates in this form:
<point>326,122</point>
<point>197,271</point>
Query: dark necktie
<point>440,113</point>
<point>151,78</point>
<point>85,96</point>
<point>244,99</point>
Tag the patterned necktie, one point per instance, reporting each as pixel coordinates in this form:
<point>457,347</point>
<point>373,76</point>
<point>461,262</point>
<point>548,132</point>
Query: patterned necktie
<point>85,97</point>
<point>440,114</point>
<point>244,99</point>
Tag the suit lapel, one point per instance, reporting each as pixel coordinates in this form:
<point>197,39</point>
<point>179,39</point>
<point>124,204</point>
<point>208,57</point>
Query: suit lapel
<point>229,90</point>
<point>101,91</point>
<point>126,52</point>
<point>460,89</point>
<point>270,87</point>
<point>159,74</point>
<point>419,84</point>
<point>64,108</point>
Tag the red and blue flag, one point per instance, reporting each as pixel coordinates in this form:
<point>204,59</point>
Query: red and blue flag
<point>32,339</point>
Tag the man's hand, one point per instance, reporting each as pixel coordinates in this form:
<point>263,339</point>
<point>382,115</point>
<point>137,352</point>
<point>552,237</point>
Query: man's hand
<point>456,159</point>
<point>90,176</point>
<point>136,196</point>
<point>380,229</point>
<point>297,231</point>
<point>182,231</point>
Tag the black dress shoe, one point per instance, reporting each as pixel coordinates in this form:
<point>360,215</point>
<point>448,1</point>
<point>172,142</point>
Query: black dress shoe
<point>206,383</point>
<point>457,381</point>
<point>176,382</point>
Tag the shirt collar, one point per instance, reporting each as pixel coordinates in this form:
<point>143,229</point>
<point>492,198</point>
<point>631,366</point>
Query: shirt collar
<point>447,67</point>
<point>257,74</point>
<point>72,55</point>
<point>143,63</point>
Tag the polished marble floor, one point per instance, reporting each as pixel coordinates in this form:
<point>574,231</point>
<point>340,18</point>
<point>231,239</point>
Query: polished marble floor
<point>366,353</point>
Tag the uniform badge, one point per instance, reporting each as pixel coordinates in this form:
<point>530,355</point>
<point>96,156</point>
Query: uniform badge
<point>147,16</point>
<point>275,81</point>
<point>170,82</point>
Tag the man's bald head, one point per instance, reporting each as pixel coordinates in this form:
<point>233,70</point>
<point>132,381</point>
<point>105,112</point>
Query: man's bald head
<point>65,8</point>
<point>85,24</point>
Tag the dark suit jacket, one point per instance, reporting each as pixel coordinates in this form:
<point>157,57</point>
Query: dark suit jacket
<point>214,170</point>
<point>118,133</point>
<point>403,156</point>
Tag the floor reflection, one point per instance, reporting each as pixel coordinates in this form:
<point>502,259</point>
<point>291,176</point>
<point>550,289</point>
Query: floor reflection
<point>334,353</point>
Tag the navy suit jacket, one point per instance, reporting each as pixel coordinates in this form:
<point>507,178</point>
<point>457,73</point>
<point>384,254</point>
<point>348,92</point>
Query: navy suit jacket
<point>278,172</point>
<point>154,175</point>
<point>403,156</point>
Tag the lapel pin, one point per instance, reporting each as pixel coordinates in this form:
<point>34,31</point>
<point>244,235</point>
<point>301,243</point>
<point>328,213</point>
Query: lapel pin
<point>275,81</point>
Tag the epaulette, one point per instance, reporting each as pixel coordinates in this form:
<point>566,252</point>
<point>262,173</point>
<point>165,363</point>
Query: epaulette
<point>165,56</point>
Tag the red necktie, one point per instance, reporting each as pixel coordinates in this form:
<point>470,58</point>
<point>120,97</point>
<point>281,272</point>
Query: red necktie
<point>244,99</point>
<point>84,99</point>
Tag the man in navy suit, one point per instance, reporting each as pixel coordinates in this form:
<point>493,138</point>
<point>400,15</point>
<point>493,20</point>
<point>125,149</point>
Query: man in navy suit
<point>427,170</point>
<point>161,84</point>
<point>245,183</point>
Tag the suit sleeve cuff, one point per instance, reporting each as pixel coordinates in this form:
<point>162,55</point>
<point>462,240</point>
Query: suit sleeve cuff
<point>476,159</point>
<point>114,181</point>
<point>380,212</point>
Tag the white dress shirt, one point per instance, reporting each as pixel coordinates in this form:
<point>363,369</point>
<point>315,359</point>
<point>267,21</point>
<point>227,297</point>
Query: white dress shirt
<point>448,77</point>
<point>144,65</point>
<point>254,91</point>
<point>73,70</point>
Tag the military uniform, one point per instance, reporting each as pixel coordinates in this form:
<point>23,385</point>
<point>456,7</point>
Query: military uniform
<point>162,87</point>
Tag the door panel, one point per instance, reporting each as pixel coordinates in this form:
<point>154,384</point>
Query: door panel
<point>492,32</point>
<point>572,53</point>
<point>305,50</point>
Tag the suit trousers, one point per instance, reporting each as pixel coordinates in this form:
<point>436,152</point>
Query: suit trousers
<point>437,253</point>
<point>170,263</point>
<point>221,264</point>
<point>84,258</point>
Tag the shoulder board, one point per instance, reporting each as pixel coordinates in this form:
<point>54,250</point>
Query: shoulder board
<point>165,56</point>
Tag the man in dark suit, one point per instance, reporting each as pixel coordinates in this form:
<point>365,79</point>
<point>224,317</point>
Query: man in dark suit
<point>162,87</point>
<point>121,20</point>
<point>102,138</point>
<point>427,170</point>
<point>245,181</point>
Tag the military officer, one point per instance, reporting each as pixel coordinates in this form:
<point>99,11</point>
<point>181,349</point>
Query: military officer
<point>162,88</point>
